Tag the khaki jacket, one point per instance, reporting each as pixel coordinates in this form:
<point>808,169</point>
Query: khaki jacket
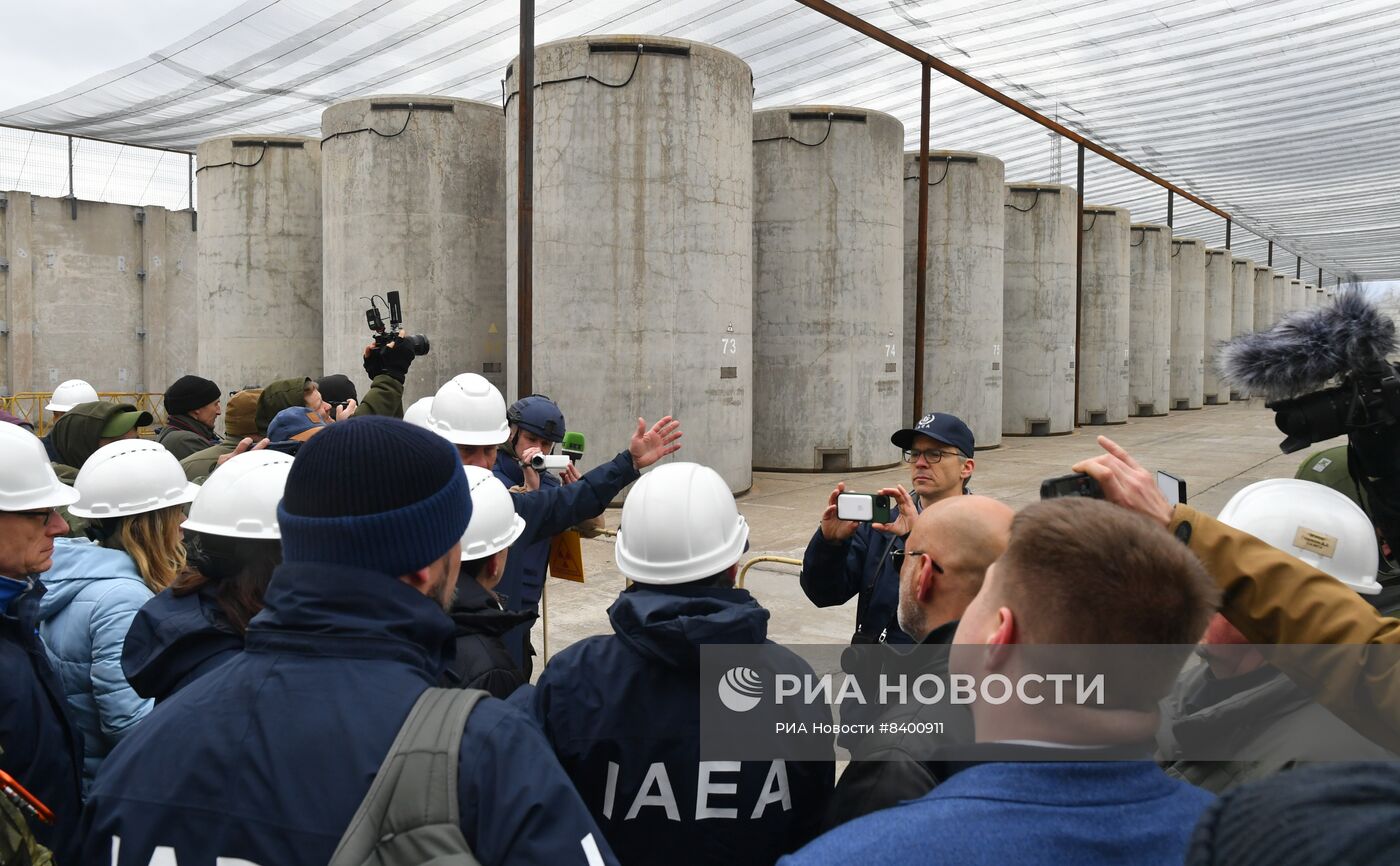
<point>1273,598</point>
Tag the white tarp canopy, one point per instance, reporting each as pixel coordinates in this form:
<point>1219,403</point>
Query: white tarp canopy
<point>1281,112</point>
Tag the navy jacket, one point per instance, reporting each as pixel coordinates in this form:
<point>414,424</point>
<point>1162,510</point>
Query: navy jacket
<point>623,714</point>
<point>175,639</point>
<point>43,749</point>
<point>267,757</point>
<point>1102,813</point>
<point>549,511</point>
<point>833,573</point>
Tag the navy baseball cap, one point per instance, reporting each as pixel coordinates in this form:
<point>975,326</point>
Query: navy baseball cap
<point>948,429</point>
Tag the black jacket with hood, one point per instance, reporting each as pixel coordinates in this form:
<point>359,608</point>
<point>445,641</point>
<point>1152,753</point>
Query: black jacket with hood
<point>482,661</point>
<point>174,640</point>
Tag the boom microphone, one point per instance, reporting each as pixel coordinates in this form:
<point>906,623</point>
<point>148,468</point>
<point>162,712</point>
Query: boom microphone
<point>1308,347</point>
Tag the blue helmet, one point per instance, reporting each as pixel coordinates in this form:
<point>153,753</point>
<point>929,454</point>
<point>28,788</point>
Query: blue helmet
<point>537,414</point>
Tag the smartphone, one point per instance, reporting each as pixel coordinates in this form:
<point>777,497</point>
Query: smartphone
<point>864,507</point>
<point>1077,484</point>
<point>1172,487</point>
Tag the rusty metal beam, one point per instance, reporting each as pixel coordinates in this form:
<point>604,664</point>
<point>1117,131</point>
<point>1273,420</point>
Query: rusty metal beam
<point>1078,277</point>
<point>525,206</point>
<point>856,23</point>
<point>921,267</point>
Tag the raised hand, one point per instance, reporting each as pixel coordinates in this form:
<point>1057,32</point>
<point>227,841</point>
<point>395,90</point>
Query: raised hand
<point>1125,482</point>
<point>649,446</point>
<point>833,528</point>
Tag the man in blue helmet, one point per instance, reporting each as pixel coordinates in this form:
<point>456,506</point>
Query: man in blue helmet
<point>536,427</point>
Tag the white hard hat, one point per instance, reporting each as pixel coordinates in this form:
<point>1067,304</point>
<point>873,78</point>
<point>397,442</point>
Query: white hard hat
<point>1314,523</point>
<point>27,480</point>
<point>417,414</point>
<point>679,524</point>
<point>240,499</point>
<point>494,525</point>
<point>468,410</point>
<point>71,393</point>
<point>130,476</point>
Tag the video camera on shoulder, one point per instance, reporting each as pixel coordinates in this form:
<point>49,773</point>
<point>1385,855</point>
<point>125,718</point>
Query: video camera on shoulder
<point>384,335</point>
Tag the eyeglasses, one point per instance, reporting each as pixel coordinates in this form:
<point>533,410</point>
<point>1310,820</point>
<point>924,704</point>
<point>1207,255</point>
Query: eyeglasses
<point>897,556</point>
<point>46,513</point>
<point>932,455</point>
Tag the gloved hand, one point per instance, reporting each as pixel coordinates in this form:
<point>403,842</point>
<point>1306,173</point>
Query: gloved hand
<point>373,361</point>
<point>396,358</point>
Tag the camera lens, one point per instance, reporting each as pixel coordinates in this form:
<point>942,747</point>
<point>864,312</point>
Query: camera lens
<point>419,343</point>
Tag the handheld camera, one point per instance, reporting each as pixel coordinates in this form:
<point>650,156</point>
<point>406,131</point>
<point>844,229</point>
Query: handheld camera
<point>549,461</point>
<point>384,335</point>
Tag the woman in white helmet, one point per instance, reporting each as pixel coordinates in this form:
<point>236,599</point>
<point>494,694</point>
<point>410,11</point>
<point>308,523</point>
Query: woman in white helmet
<point>132,492</point>
<point>480,615</point>
<point>234,544</point>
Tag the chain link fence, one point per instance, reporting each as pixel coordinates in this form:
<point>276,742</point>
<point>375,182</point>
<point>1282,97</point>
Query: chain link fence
<point>59,165</point>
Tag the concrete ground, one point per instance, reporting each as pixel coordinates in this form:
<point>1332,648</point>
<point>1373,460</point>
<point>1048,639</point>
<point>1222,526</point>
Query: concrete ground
<point>1218,450</point>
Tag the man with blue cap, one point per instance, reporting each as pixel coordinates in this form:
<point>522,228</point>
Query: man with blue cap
<point>846,558</point>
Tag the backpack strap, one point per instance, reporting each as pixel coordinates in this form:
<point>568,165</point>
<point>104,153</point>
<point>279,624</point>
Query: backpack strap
<point>416,785</point>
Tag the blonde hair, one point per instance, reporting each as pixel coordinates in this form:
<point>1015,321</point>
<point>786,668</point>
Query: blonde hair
<point>155,544</point>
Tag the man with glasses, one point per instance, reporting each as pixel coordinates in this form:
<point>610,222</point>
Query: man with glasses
<point>40,747</point>
<point>846,559</point>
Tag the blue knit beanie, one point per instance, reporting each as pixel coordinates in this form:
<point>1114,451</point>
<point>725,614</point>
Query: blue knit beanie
<point>374,493</point>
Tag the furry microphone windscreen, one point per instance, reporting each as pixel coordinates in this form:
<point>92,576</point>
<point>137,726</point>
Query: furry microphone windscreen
<point>1308,347</point>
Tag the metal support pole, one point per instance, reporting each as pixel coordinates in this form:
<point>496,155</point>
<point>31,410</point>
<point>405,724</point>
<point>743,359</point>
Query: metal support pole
<point>525,205</point>
<point>1227,232</point>
<point>1170,201</point>
<point>194,215</point>
<point>1319,278</point>
<point>72,199</point>
<point>921,268</point>
<point>1298,272</point>
<point>1079,276</point>
<point>1271,254</point>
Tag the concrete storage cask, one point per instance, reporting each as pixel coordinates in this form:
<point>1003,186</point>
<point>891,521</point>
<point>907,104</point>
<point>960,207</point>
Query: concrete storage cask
<point>1241,303</point>
<point>1188,322</point>
<point>1039,316</point>
<point>1103,316</point>
<point>259,243</point>
<point>1219,300</point>
<point>643,243</point>
<point>414,201</point>
<point>1263,297</point>
<point>1297,296</point>
<point>1150,319</point>
<point>828,296</point>
<point>1281,297</point>
<point>963,364</point>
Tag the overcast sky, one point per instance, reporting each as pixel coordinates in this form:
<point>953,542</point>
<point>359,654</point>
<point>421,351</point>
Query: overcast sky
<point>53,44</point>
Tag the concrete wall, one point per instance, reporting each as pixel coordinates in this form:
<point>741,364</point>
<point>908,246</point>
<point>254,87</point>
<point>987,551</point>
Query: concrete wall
<point>1297,297</point>
<point>108,297</point>
<point>1039,314</point>
<point>1105,281</point>
<point>259,259</point>
<point>421,212</point>
<point>1220,321</point>
<point>963,364</point>
<point>1188,322</point>
<point>828,240</point>
<point>643,255</point>
<point>1241,304</point>
<point>1281,297</point>
<point>1150,319</point>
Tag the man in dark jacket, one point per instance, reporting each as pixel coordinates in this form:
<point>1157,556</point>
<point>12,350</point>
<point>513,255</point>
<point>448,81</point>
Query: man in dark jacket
<point>191,408</point>
<point>847,559</point>
<point>623,710</point>
<point>266,758</point>
<point>39,745</point>
<point>87,427</point>
<point>481,618</point>
<point>470,412</point>
<point>958,539</point>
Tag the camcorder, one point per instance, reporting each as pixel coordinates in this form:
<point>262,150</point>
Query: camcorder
<point>1294,365</point>
<point>384,335</point>
<point>571,450</point>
